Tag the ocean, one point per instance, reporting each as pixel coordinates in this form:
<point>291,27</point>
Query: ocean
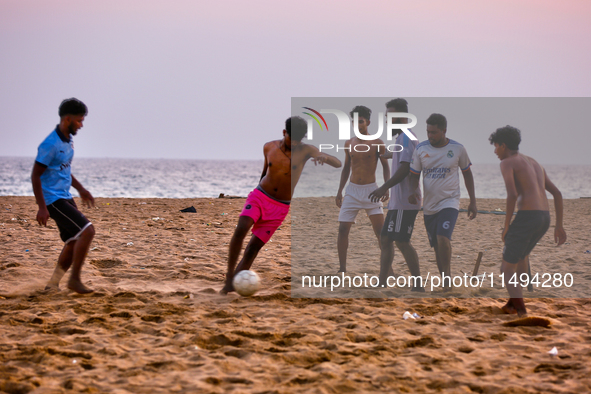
<point>166,178</point>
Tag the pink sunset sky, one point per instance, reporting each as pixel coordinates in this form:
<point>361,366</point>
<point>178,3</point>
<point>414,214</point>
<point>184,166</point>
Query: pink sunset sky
<point>214,80</point>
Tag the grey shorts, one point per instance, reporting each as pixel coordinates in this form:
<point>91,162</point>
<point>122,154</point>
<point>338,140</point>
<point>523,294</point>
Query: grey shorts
<point>525,231</point>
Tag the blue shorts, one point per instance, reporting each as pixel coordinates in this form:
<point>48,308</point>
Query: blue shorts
<point>441,223</point>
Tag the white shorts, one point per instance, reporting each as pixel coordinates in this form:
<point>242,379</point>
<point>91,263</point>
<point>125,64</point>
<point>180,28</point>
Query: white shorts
<point>357,198</point>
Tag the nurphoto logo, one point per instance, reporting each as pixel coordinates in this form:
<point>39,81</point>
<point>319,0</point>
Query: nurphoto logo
<point>344,128</point>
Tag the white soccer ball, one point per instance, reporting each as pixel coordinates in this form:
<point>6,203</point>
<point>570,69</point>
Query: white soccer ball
<point>246,283</point>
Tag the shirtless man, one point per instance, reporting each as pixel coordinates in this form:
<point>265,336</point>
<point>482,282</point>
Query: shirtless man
<point>526,183</point>
<point>268,204</point>
<point>361,163</point>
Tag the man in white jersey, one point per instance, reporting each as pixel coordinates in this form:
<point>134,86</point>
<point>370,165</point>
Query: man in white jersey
<point>361,161</point>
<point>439,159</point>
<point>401,215</point>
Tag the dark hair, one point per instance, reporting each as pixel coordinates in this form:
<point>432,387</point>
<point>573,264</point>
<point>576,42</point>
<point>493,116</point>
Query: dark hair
<point>399,104</point>
<point>296,128</point>
<point>508,135</point>
<point>72,106</point>
<point>364,112</point>
<point>437,120</point>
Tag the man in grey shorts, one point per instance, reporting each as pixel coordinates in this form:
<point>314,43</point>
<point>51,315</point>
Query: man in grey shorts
<point>526,183</point>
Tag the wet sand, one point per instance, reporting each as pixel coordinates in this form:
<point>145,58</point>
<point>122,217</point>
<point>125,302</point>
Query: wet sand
<point>157,325</point>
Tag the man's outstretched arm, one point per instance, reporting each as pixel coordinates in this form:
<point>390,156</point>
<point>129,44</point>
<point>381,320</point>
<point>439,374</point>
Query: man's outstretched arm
<point>344,177</point>
<point>414,183</point>
<point>559,233</point>
<point>322,158</point>
<point>42,213</point>
<point>401,173</point>
<point>469,181</point>
<point>508,177</point>
<point>85,195</point>
<point>386,173</point>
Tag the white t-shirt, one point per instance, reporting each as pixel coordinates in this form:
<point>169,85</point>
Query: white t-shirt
<point>441,179</point>
<point>399,193</point>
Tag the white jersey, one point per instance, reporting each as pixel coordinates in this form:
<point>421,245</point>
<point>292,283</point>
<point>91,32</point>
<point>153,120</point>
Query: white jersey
<point>441,179</point>
<point>399,193</point>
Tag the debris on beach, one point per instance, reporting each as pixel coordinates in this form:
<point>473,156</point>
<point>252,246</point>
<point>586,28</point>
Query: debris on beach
<point>222,195</point>
<point>407,315</point>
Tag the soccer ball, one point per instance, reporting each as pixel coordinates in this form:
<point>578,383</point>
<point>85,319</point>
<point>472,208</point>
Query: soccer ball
<point>246,283</point>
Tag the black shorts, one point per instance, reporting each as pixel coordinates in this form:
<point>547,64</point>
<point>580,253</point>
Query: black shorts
<point>525,231</point>
<point>399,224</point>
<point>70,221</point>
<point>441,223</point>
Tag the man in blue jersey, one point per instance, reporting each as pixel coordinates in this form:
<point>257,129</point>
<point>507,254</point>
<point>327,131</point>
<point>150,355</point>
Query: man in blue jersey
<point>52,179</point>
<point>401,216</point>
<point>439,159</point>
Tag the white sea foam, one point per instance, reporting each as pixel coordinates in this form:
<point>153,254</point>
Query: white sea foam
<point>144,178</point>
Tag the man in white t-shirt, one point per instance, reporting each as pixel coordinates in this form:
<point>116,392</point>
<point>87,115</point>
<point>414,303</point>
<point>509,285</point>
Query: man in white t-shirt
<point>439,159</point>
<point>401,215</point>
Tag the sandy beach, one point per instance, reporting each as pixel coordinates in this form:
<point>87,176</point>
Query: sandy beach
<point>156,323</point>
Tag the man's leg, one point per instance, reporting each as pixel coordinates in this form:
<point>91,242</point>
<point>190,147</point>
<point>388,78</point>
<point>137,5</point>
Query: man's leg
<point>343,244</point>
<point>515,303</point>
<point>250,253</point>
<point>80,250</point>
<point>412,261</point>
<point>386,259</point>
<point>244,225</point>
<point>63,264</point>
<point>443,255</point>
<point>377,222</point>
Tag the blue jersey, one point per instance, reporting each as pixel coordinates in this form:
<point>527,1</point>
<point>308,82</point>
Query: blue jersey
<point>55,154</point>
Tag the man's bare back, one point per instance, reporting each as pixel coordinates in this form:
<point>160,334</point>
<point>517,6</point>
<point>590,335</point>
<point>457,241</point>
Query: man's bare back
<point>529,180</point>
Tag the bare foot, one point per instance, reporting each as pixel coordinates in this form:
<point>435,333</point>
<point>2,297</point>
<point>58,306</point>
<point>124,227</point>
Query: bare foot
<point>227,289</point>
<point>341,271</point>
<point>508,309</point>
<point>51,287</point>
<point>511,308</point>
<point>78,287</point>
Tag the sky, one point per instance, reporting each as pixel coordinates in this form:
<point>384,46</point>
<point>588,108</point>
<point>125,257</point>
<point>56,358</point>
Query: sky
<point>187,79</point>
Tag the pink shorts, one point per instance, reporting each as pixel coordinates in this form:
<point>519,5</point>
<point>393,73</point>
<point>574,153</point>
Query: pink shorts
<point>268,214</point>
